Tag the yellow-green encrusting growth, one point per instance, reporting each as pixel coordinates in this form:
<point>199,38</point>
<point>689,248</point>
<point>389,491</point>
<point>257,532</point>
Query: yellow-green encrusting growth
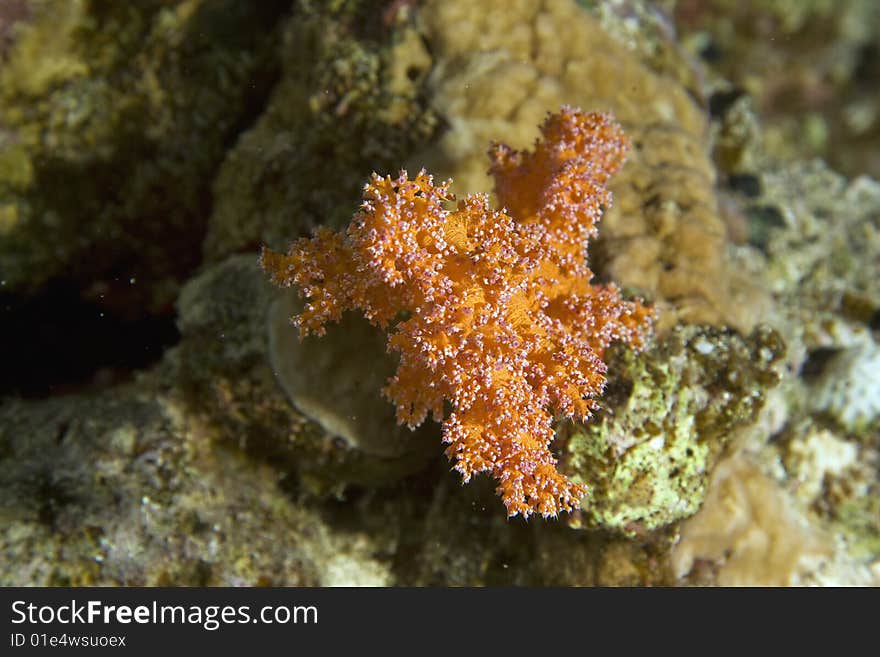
<point>666,417</point>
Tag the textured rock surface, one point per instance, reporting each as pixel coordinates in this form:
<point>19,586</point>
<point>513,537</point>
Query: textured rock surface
<point>113,117</point>
<point>666,418</point>
<point>131,488</point>
<point>313,408</point>
<point>348,102</point>
<point>124,136</point>
<point>809,67</point>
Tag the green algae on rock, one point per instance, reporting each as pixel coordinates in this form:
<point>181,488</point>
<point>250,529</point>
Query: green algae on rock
<point>667,415</point>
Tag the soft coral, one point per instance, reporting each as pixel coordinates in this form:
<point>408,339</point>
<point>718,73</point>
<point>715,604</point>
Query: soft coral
<point>490,310</point>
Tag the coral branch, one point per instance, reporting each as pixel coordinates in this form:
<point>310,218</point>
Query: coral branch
<point>490,310</point>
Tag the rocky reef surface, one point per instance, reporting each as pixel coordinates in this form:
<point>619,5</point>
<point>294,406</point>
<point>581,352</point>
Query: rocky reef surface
<point>161,424</point>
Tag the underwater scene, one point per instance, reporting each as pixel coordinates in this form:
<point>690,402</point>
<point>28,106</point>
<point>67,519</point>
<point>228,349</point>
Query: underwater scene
<point>440,293</point>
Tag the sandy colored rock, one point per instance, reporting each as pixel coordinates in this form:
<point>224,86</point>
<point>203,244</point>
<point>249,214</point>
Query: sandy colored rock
<point>751,533</point>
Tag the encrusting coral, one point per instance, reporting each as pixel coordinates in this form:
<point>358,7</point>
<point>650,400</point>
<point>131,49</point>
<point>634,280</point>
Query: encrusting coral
<point>489,310</point>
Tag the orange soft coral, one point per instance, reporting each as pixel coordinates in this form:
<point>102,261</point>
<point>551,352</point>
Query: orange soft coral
<point>490,310</point>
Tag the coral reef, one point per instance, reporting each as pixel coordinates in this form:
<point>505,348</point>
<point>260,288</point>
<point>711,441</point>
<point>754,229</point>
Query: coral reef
<point>502,319</point>
<point>810,236</point>
<point>147,149</point>
<point>666,418</point>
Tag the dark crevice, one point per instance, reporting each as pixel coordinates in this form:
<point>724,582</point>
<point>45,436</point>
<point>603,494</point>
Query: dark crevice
<point>58,343</point>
